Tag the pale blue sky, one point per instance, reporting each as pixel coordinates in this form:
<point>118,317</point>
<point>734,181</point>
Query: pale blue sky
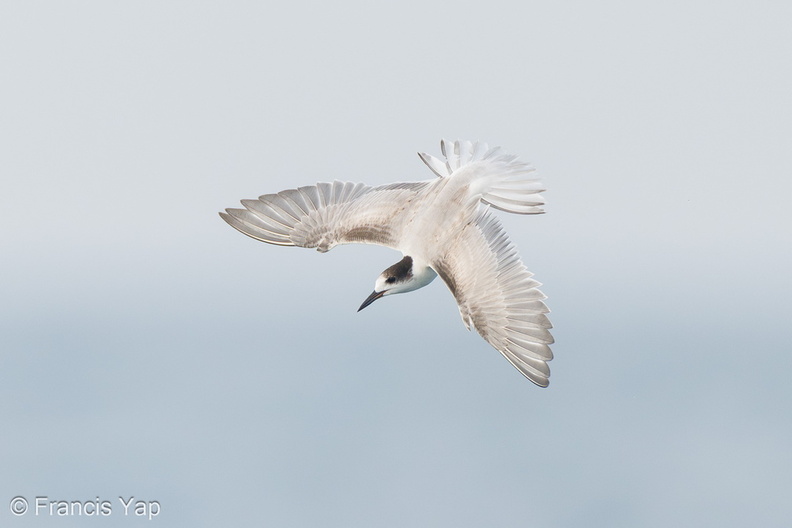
<point>148,349</point>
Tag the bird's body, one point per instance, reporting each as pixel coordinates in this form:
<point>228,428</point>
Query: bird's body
<point>442,226</point>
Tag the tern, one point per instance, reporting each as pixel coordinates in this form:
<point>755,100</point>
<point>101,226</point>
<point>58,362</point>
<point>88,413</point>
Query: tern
<point>444,226</point>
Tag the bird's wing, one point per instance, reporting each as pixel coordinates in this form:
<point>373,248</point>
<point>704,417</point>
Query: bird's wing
<point>497,296</point>
<point>326,214</point>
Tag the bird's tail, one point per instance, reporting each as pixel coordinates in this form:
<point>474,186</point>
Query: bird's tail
<point>506,183</point>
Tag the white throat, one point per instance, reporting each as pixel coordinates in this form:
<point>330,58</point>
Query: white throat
<point>421,276</point>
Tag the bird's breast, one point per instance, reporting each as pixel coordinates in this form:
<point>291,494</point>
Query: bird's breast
<point>438,218</point>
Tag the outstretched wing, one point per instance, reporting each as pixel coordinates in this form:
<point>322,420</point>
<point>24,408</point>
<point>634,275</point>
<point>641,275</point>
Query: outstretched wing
<point>327,214</point>
<point>497,296</point>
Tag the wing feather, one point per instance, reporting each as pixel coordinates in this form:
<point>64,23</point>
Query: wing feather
<point>498,297</point>
<point>324,215</point>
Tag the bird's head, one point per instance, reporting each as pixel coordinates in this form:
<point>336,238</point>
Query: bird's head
<point>400,278</point>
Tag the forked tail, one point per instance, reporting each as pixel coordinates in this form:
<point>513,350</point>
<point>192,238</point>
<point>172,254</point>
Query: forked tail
<point>506,183</point>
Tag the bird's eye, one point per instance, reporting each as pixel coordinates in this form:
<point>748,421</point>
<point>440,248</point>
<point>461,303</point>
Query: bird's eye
<point>390,280</point>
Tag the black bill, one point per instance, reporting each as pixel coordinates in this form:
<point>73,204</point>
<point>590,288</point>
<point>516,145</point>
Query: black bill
<point>371,298</point>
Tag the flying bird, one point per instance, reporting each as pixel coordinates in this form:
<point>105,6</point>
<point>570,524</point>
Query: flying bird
<point>444,226</point>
